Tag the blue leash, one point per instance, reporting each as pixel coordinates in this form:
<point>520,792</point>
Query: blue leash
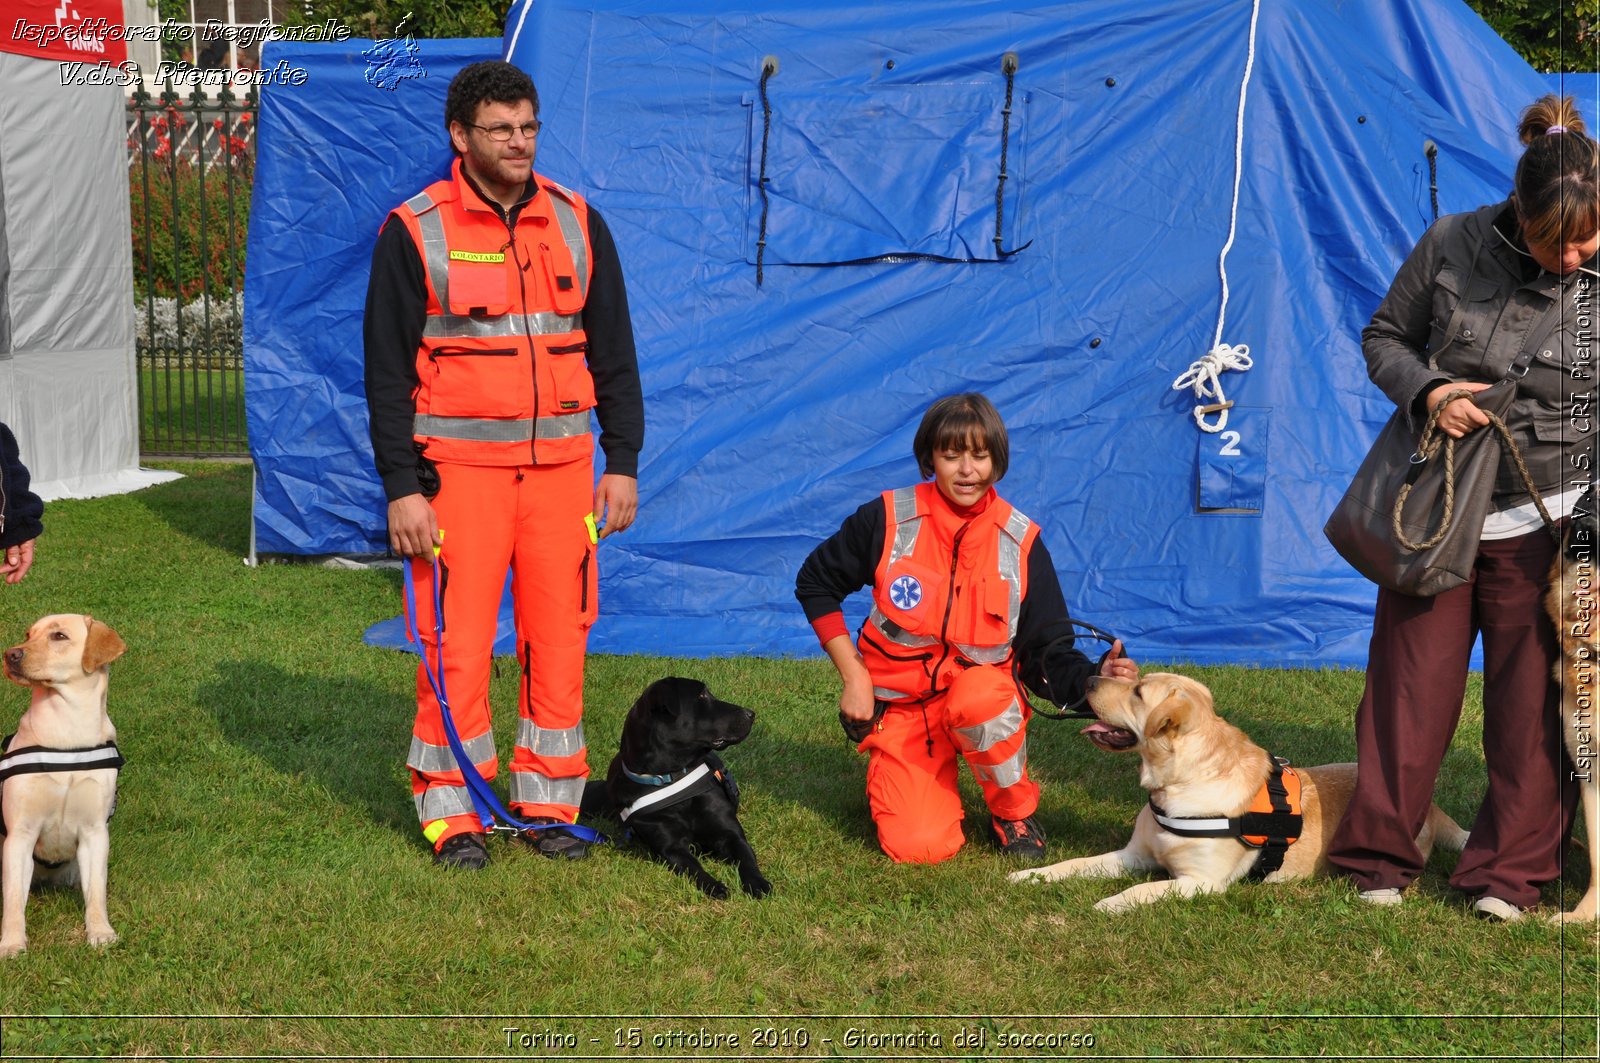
<point>484,801</point>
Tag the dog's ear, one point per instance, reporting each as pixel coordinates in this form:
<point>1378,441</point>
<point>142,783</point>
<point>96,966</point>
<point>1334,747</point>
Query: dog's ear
<point>1169,716</point>
<point>101,646</point>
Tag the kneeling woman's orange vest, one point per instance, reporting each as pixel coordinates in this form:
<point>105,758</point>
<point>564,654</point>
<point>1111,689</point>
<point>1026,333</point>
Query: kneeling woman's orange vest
<point>946,593</point>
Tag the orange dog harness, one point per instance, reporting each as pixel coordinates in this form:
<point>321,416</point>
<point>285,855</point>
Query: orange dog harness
<point>1272,823</point>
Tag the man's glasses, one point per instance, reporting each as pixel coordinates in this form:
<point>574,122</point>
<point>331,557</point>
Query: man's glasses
<point>502,133</point>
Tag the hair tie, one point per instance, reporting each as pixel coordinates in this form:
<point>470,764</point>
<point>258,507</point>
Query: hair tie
<point>1553,130</point>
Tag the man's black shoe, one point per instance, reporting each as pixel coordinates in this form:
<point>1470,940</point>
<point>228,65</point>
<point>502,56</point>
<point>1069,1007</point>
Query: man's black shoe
<point>553,841</point>
<point>465,851</point>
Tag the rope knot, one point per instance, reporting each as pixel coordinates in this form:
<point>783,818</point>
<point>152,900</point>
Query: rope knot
<point>1204,376</point>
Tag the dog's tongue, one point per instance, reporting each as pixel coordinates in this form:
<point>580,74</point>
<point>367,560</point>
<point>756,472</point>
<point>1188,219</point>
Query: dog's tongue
<point>1108,737</point>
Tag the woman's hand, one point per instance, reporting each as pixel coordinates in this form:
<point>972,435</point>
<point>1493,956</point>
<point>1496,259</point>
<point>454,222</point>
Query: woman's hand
<point>855,700</point>
<point>1462,415</point>
<point>1116,666</point>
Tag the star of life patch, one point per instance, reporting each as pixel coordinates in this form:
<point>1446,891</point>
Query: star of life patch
<point>905,592</point>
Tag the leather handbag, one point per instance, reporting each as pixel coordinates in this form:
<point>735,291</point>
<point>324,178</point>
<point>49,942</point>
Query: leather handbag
<point>1412,517</point>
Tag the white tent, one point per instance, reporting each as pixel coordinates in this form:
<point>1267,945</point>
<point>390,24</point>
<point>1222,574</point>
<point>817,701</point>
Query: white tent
<point>67,385</point>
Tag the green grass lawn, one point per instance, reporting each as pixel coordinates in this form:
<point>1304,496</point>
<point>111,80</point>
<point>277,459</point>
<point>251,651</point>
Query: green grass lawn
<point>274,898</point>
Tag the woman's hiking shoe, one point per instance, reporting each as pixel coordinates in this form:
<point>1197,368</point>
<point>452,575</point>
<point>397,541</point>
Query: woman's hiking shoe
<point>1019,837</point>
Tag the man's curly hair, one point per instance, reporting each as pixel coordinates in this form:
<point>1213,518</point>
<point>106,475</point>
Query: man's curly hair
<point>490,81</point>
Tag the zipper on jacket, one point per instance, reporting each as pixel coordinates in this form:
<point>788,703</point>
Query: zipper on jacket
<point>949,603</point>
<point>527,332</point>
<point>471,352</point>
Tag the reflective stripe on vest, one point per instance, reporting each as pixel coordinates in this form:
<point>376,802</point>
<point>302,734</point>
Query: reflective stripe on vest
<point>906,523</point>
<point>572,233</point>
<point>505,327</point>
<point>498,430</point>
<point>429,759</point>
<point>990,733</point>
<point>1008,772</point>
<point>549,742</point>
<point>531,788</point>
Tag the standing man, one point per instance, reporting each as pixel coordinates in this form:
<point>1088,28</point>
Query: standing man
<point>496,325</point>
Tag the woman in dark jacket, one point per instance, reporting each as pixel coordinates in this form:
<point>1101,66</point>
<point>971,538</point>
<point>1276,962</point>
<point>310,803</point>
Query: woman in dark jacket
<point>1482,294</point>
<point>20,512</point>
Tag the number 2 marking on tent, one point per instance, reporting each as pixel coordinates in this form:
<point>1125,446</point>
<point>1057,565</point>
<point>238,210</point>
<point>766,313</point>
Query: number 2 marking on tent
<point>1230,444</point>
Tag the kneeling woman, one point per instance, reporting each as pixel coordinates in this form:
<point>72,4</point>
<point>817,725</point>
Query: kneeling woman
<point>962,589</point>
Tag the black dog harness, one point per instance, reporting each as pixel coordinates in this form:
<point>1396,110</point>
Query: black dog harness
<point>1272,823</point>
<point>29,760</point>
<point>671,788</point>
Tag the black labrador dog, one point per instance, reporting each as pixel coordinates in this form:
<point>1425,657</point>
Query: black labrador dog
<point>670,789</point>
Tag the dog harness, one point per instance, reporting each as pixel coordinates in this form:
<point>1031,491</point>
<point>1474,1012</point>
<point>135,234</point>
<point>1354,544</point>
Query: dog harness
<point>1272,823</point>
<point>32,759</point>
<point>673,787</point>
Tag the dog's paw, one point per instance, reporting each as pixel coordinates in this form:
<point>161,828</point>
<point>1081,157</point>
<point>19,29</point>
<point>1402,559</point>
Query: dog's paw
<point>101,938</point>
<point>756,886</point>
<point>1115,904</point>
<point>1032,874</point>
<point>714,889</point>
<point>9,949</point>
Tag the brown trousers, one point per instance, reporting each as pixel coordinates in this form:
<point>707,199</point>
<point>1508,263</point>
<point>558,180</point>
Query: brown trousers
<point>1416,679</point>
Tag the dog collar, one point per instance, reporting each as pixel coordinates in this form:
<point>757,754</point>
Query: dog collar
<point>663,779</point>
<point>1272,823</point>
<point>703,776</point>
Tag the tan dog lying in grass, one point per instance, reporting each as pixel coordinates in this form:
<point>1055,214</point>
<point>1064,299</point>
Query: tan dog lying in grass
<point>56,819</point>
<point>1196,765</point>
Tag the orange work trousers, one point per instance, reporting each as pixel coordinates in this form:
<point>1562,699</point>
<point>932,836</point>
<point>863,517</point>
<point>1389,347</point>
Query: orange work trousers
<point>528,519</point>
<point>913,753</point>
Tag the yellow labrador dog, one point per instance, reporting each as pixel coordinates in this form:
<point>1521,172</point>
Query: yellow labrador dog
<point>1204,775</point>
<point>58,773</point>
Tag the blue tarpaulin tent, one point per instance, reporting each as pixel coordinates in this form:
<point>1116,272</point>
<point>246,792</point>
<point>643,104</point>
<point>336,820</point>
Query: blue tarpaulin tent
<point>789,342</point>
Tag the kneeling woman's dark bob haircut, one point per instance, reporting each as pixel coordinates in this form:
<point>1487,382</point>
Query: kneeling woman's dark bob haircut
<point>960,422</point>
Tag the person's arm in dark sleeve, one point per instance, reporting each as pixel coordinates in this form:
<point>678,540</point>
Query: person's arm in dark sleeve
<point>397,309</point>
<point>1395,342</point>
<point>613,360</point>
<point>840,565</point>
<point>1050,663</point>
<point>21,511</point>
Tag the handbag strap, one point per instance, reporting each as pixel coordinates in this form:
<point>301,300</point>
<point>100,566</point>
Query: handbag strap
<point>1431,441</point>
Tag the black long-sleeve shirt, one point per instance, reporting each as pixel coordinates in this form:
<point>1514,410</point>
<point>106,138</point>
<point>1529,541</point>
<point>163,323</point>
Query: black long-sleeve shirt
<point>847,561</point>
<point>21,511</point>
<point>396,311</point>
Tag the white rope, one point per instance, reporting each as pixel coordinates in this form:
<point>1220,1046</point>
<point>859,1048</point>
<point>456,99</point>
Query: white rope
<point>1204,377</point>
<point>1203,374</point>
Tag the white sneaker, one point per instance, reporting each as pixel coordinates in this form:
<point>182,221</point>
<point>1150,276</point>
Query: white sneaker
<point>1388,896</point>
<point>1494,908</point>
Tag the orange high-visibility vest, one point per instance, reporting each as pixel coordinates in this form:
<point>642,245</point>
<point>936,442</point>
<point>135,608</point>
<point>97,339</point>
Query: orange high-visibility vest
<point>502,377</point>
<point>946,594</point>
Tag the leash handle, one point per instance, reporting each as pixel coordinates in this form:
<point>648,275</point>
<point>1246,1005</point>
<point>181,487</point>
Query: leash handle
<point>1074,710</point>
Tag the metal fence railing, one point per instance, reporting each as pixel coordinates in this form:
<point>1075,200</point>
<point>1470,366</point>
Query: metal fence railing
<point>191,164</point>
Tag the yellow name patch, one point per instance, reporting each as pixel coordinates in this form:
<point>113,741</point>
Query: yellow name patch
<point>477,256</point>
